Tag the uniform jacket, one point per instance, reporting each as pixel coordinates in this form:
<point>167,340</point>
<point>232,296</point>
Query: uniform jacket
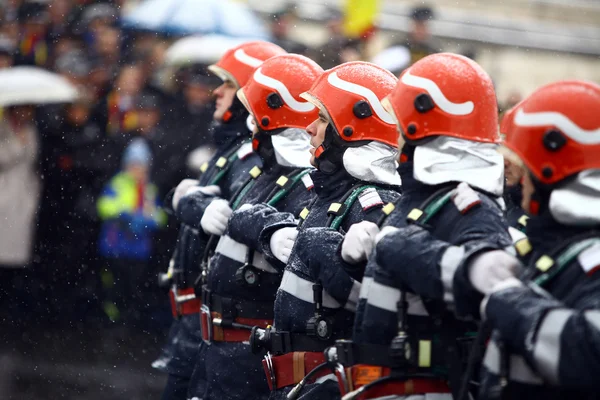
<point>422,260</point>
<point>552,341</point>
<point>182,350</point>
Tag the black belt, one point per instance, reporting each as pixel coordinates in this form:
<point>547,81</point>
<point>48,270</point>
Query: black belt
<point>237,308</point>
<point>282,342</point>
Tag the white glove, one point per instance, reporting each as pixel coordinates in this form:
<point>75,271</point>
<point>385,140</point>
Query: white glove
<point>181,190</point>
<point>464,197</point>
<point>244,207</point>
<point>492,267</point>
<point>359,241</point>
<point>282,242</point>
<point>211,190</point>
<point>216,215</point>
<point>386,230</point>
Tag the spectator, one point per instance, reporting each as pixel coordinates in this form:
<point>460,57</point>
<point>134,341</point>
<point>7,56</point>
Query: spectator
<point>338,48</point>
<point>7,50</point>
<point>280,27</point>
<point>34,20</point>
<point>419,39</point>
<point>130,210</point>
<point>20,185</point>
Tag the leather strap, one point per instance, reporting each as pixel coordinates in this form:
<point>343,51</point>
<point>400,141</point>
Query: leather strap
<point>187,307</point>
<point>291,368</point>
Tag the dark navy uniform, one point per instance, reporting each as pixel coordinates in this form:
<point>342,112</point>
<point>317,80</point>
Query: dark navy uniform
<point>548,337</point>
<point>421,258</point>
<point>316,258</point>
<point>184,342</point>
<point>238,294</point>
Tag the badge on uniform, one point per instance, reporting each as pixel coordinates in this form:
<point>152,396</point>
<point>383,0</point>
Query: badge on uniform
<point>369,198</point>
<point>589,259</point>
<point>244,151</point>
<point>308,182</point>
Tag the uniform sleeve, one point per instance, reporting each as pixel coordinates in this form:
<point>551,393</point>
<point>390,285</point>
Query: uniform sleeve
<point>416,260</point>
<point>562,344</point>
<point>191,208</point>
<point>245,226</point>
<point>318,248</point>
<point>371,214</point>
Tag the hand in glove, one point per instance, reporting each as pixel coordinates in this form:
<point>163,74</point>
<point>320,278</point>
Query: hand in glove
<point>282,242</point>
<point>492,267</point>
<point>359,241</point>
<point>181,190</point>
<point>214,220</point>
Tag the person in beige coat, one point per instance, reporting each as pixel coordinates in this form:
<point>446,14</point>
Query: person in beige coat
<point>19,185</point>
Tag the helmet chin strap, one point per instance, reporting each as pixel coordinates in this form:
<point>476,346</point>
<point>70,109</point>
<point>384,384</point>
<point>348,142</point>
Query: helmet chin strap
<point>328,156</point>
<point>235,112</point>
<point>263,144</point>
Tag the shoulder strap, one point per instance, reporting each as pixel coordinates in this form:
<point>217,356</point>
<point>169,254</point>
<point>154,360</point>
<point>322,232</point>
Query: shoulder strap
<point>223,164</point>
<point>237,197</point>
<point>430,207</point>
<point>286,185</point>
<point>338,211</point>
<point>552,266</point>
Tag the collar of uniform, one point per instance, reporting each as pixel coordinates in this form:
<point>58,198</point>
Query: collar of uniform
<point>224,135</point>
<point>332,185</point>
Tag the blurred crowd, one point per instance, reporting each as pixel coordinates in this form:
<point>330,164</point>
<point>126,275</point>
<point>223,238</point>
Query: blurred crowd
<point>70,172</point>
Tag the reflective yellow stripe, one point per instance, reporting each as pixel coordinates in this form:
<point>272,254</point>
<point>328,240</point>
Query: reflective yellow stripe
<point>415,214</point>
<point>282,181</point>
<point>523,220</point>
<point>255,172</point>
<point>334,207</point>
<point>388,208</point>
<point>221,162</point>
<point>424,353</point>
<point>523,247</point>
<point>544,263</point>
<point>204,167</point>
<point>304,213</point>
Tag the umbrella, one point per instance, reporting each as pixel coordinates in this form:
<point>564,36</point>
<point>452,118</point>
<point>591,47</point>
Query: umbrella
<point>33,85</point>
<point>200,49</point>
<point>394,59</point>
<point>183,17</point>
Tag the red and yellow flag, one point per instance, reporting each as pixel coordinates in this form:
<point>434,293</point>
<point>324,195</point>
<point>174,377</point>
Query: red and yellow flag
<point>359,17</point>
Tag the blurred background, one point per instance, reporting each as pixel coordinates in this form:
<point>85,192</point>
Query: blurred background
<point>103,99</point>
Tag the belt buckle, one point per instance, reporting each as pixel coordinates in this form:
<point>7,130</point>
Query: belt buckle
<point>207,315</point>
<point>271,368</point>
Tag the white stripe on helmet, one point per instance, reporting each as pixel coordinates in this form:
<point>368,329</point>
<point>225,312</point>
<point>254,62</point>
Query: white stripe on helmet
<point>283,91</point>
<point>368,94</point>
<point>561,121</point>
<point>244,58</point>
<point>437,95</point>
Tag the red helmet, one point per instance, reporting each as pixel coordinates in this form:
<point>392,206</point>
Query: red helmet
<point>238,63</point>
<point>556,130</point>
<point>272,94</point>
<point>351,94</point>
<point>445,95</point>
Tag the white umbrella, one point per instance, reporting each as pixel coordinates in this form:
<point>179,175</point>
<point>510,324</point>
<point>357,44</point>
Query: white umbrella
<point>184,17</point>
<point>33,85</point>
<point>200,49</point>
<point>394,59</point>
